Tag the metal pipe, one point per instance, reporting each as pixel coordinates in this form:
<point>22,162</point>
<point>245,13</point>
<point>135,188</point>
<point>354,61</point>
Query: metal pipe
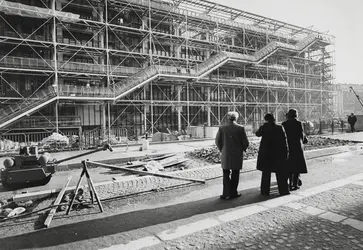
<point>105,147</point>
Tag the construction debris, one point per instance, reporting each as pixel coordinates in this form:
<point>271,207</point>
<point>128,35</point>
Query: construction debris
<point>153,167</point>
<point>52,212</point>
<point>212,154</point>
<point>16,211</point>
<point>133,171</point>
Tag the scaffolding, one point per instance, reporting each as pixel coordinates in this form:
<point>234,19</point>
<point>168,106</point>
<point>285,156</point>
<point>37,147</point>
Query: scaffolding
<point>147,65</point>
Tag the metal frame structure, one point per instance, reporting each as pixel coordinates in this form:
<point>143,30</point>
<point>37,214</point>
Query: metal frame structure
<point>147,65</point>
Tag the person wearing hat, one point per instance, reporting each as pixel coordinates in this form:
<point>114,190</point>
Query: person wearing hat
<point>231,140</point>
<point>295,139</point>
<point>272,156</point>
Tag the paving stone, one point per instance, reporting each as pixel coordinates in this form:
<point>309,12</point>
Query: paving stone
<point>342,201</point>
<point>312,210</point>
<point>354,223</point>
<point>298,227</point>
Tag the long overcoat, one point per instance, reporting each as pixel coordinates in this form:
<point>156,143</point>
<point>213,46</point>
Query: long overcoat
<point>231,141</point>
<point>273,151</point>
<point>295,137</point>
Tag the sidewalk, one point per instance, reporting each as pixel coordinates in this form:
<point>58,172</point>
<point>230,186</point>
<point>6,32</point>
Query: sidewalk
<point>329,216</point>
<point>194,217</point>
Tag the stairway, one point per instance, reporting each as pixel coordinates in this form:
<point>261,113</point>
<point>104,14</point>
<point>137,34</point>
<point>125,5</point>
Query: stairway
<point>13,112</point>
<point>150,73</point>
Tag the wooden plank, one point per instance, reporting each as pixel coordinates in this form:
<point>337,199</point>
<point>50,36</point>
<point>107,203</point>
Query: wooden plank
<point>146,173</point>
<point>52,212</point>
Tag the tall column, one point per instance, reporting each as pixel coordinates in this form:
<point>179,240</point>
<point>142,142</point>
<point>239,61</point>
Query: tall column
<point>208,107</point>
<point>179,107</point>
<point>54,40</point>
<point>276,103</point>
<point>101,34</point>
<point>103,106</point>
<point>55,82</point>
<point>151,107</point>
<point>145,42</point>
<point>56,117</point>
<point>146,107</point>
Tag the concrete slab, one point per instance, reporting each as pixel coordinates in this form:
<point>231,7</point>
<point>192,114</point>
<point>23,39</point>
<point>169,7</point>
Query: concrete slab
<point>332,216</point>
<point>188,229</point>
<point>357,224</point>
<point>312,210</point>
<point>241,213</point>
<point>295,205</point>
<point>136,244</point>
<point>280,201</point>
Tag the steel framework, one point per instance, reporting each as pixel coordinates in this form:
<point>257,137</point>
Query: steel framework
<point>147,65</point>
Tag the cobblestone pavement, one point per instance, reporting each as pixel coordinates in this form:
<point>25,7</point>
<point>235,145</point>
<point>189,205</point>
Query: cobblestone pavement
<point>278,228</point>
<point>324,221</point>
<point>346,201</point>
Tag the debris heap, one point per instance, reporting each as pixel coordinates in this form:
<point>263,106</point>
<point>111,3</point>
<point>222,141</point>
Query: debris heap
<point>212,154</point>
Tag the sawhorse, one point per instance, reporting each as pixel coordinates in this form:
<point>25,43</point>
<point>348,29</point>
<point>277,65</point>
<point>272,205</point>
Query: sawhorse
<point>91,188</point>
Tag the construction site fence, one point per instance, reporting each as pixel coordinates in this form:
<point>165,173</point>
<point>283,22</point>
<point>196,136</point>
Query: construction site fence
<point>12,142</point>
<point>97,137</point>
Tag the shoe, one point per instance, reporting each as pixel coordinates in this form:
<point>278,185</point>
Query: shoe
<point>223,197</point>
<point>299,182</point>
<point>287,193</point>
<point>294,188</point>
<point>235,196</point>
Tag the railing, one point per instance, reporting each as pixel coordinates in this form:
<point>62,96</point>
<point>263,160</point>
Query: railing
<point>85,91</point>
<point>121,70</point>
<point>21,35</point>
<point>47,122</point>
<point>23,62</point>
<point>82,67</point>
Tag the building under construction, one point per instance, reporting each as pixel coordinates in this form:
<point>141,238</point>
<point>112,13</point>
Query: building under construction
<point>148,65</point>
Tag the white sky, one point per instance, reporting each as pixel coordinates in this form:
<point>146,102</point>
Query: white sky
<point>342,18</point>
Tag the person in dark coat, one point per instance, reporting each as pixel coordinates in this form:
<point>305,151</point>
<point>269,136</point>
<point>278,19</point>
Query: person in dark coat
<point>295,139</point>
<point>352,119</point>
<point>272,155</point>
<point>231,140</point>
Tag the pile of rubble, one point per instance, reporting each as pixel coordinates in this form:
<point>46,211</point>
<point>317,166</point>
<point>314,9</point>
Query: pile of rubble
<point>316,142</point>
<point>212,155</point>
<point>13,209</point>
<point>53,141</point>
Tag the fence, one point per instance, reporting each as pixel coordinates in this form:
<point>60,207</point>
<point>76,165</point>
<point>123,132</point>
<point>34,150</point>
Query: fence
<point>96,137</point>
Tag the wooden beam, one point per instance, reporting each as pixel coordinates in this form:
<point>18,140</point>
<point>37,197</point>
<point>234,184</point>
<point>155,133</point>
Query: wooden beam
<point>146,173</point>
<point>52,212</point>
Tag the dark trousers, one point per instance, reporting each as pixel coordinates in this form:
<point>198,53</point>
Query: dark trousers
<point>294,179</point>
<point>352,129</point>
<point>230,182</point>
<point>281,178</point>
